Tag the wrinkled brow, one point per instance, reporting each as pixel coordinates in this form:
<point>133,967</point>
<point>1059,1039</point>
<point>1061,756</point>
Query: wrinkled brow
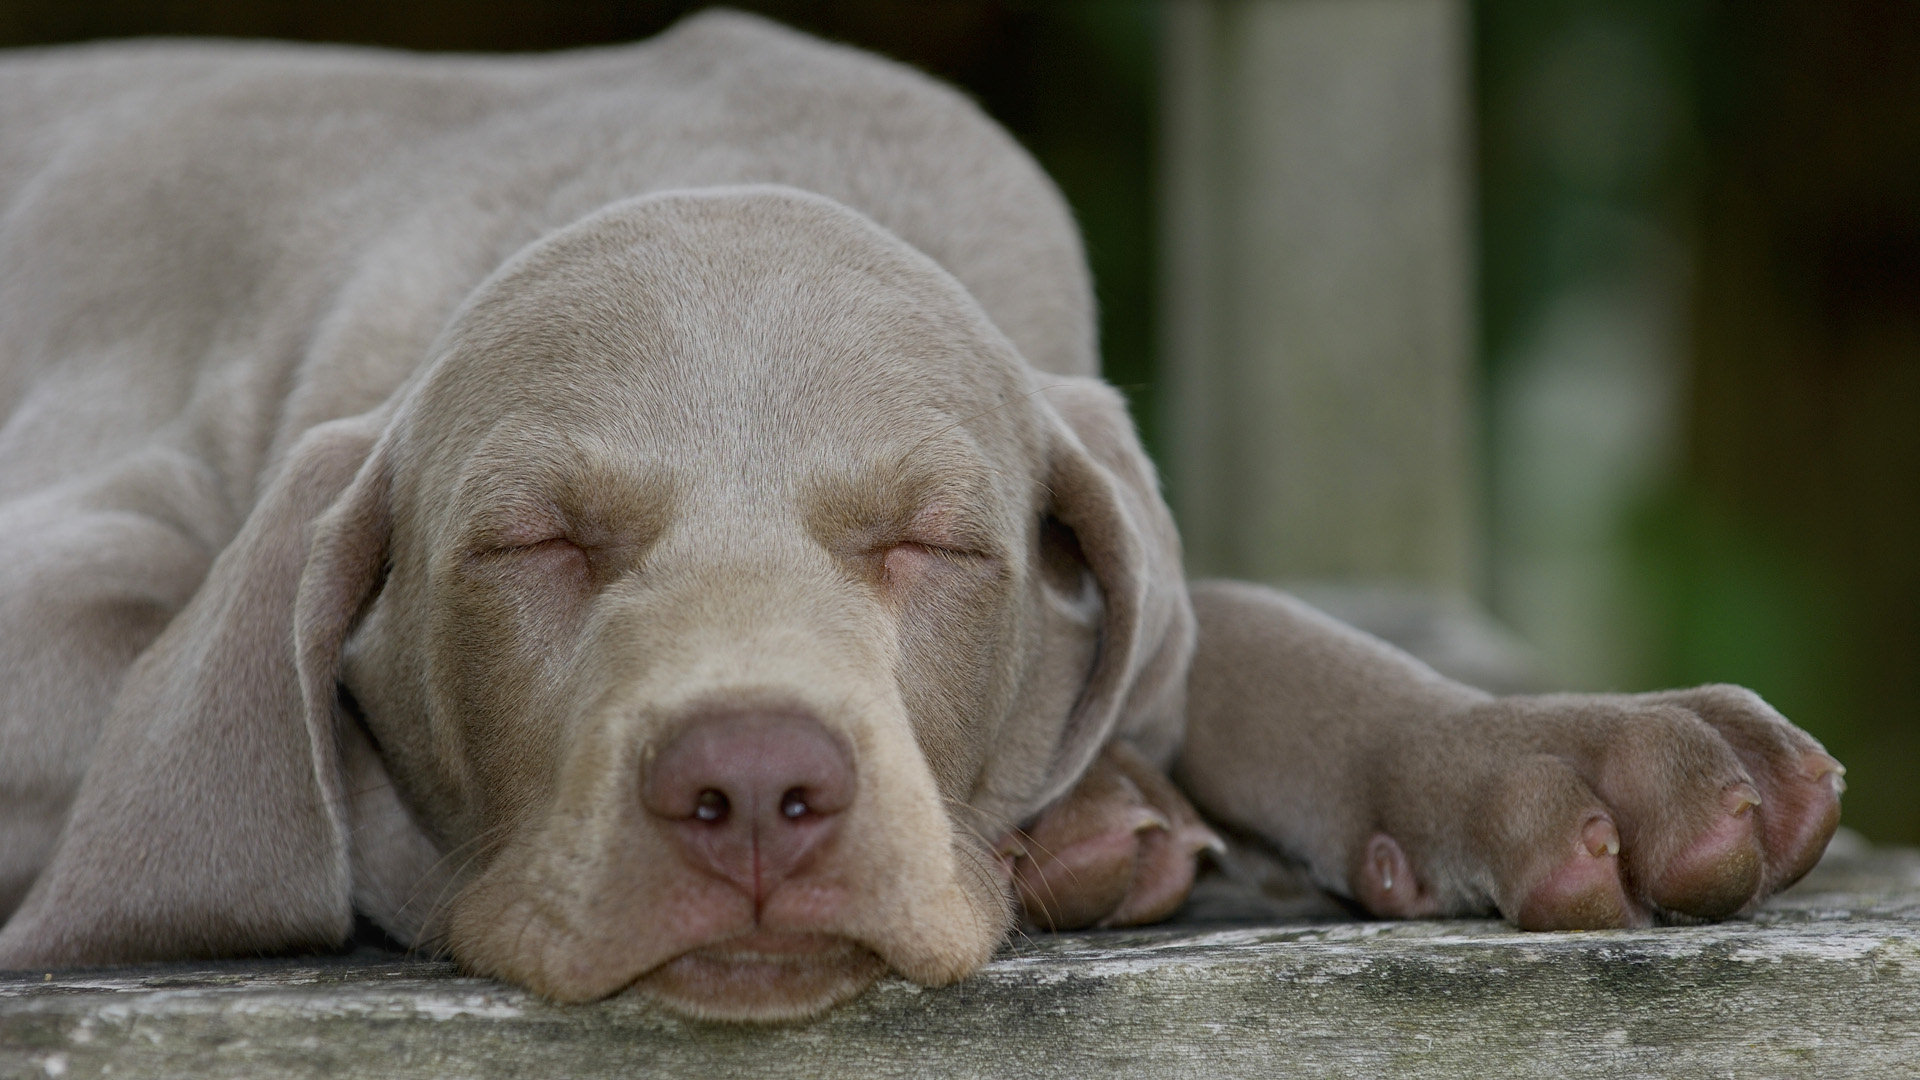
<point>586,494</point>
<point>939,494</point>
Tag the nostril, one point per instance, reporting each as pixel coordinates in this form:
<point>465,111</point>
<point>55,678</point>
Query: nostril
<point>711,807</point>
<point>793,804</point>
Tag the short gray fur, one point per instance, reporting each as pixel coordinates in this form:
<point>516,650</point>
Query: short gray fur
<point>1825,982</point>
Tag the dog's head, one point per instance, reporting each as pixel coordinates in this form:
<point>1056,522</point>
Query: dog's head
<point>696,620</point>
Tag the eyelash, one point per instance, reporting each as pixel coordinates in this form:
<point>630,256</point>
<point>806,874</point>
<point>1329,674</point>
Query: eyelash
<point>507,551</point>
<point>938,549</point>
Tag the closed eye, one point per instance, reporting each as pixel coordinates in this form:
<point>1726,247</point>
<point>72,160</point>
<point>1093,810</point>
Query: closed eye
<point>937,549</point>
<point>515,546</point>
<point>551,544</point>
<point>912,560</point>
<point>552,549</point>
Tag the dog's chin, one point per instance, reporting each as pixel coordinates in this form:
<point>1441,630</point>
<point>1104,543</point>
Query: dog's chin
<point>764,976</point>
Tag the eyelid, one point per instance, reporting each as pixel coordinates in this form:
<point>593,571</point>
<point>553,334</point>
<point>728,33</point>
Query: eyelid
<point>567,540</point>
<point>495,553</point>
<point>519,538</point>
<point>954,547</point>
<point>956,554</point>
<point>942,527</point>
<point>516,522</point>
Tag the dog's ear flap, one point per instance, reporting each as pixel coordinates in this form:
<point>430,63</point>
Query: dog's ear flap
<point>211,820</point>
<point>1104,490</point>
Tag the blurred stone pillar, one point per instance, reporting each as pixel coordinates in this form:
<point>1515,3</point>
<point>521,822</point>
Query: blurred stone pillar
<point>1317,295</point>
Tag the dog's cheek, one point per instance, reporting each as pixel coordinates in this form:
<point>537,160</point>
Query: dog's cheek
<point>507,635</point>
<point>519,610</point>
<point>956,631</point>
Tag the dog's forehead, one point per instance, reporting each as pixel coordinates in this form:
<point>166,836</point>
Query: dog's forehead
<point>750,318</point>
<point>752,337</point>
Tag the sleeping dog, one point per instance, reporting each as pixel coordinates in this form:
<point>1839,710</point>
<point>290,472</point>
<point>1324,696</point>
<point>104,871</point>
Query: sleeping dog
<point>648,518</point>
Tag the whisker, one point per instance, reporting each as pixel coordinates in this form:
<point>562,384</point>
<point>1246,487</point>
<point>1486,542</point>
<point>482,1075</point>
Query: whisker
<point>472,848</point>
<point>1028,846</point>
<point>980,866</point>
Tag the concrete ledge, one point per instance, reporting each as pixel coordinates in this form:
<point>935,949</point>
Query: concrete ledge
<point>1824,982</point>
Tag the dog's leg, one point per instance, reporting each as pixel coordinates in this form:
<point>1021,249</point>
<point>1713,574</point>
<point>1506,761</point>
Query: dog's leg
<point>1414,795</point>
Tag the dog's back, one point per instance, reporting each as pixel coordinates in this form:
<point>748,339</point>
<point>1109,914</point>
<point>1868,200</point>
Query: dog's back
<point>199,228</point>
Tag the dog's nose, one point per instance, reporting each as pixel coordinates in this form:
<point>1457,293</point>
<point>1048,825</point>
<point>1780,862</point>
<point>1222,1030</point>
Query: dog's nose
<point>750,796</point>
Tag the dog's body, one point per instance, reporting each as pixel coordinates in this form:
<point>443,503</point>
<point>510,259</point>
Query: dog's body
<point>647,515</point>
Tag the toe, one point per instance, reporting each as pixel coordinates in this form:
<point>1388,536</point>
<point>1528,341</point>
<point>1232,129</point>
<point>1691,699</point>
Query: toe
<point>1721,868</point>
<point>1582,890</point>
<point>1800,817</point>
<point>1799,784</point>
<point>1555,850</point>
<point>1168,857</point>
<point>1074,883</point>
<point>1163,874</point>
<point>1119,849</point>
<point>1688,809</point>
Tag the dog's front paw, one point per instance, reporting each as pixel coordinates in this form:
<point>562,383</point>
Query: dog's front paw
<point>1581,812</point>
<point>1119,849</point>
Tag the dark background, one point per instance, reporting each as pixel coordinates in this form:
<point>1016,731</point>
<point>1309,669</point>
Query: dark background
<point>1772,148</point>
<point>1774,145</point>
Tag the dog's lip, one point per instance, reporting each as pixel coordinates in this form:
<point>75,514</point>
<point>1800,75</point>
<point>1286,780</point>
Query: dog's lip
<point>762,975</point>
<point>761,945</point>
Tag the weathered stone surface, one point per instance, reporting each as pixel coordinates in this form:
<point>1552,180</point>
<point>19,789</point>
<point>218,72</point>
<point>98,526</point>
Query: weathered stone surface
<point>1824,982</point>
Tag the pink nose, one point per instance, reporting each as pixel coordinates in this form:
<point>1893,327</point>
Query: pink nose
<point>750,796</point>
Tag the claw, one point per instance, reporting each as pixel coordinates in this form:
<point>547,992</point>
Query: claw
<point>1741,798</point>
<point>1822,767</point>
<point>1600,838</point>
<point>1146,819</point>
<point>1386,884</point>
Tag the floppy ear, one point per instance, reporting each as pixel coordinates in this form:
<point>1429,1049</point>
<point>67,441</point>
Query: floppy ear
<point>1105,491</point>
<point>211,820</point>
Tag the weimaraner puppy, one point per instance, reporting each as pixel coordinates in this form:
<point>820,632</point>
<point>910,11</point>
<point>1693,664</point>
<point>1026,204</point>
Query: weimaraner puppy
<point>646,518</point>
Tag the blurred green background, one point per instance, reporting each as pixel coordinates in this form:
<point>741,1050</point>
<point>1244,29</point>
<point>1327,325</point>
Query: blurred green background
<point>1699,300</point>
<point>1700,227</point>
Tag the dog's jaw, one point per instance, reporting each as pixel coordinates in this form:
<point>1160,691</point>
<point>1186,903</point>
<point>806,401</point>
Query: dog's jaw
<point>706,959</point>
